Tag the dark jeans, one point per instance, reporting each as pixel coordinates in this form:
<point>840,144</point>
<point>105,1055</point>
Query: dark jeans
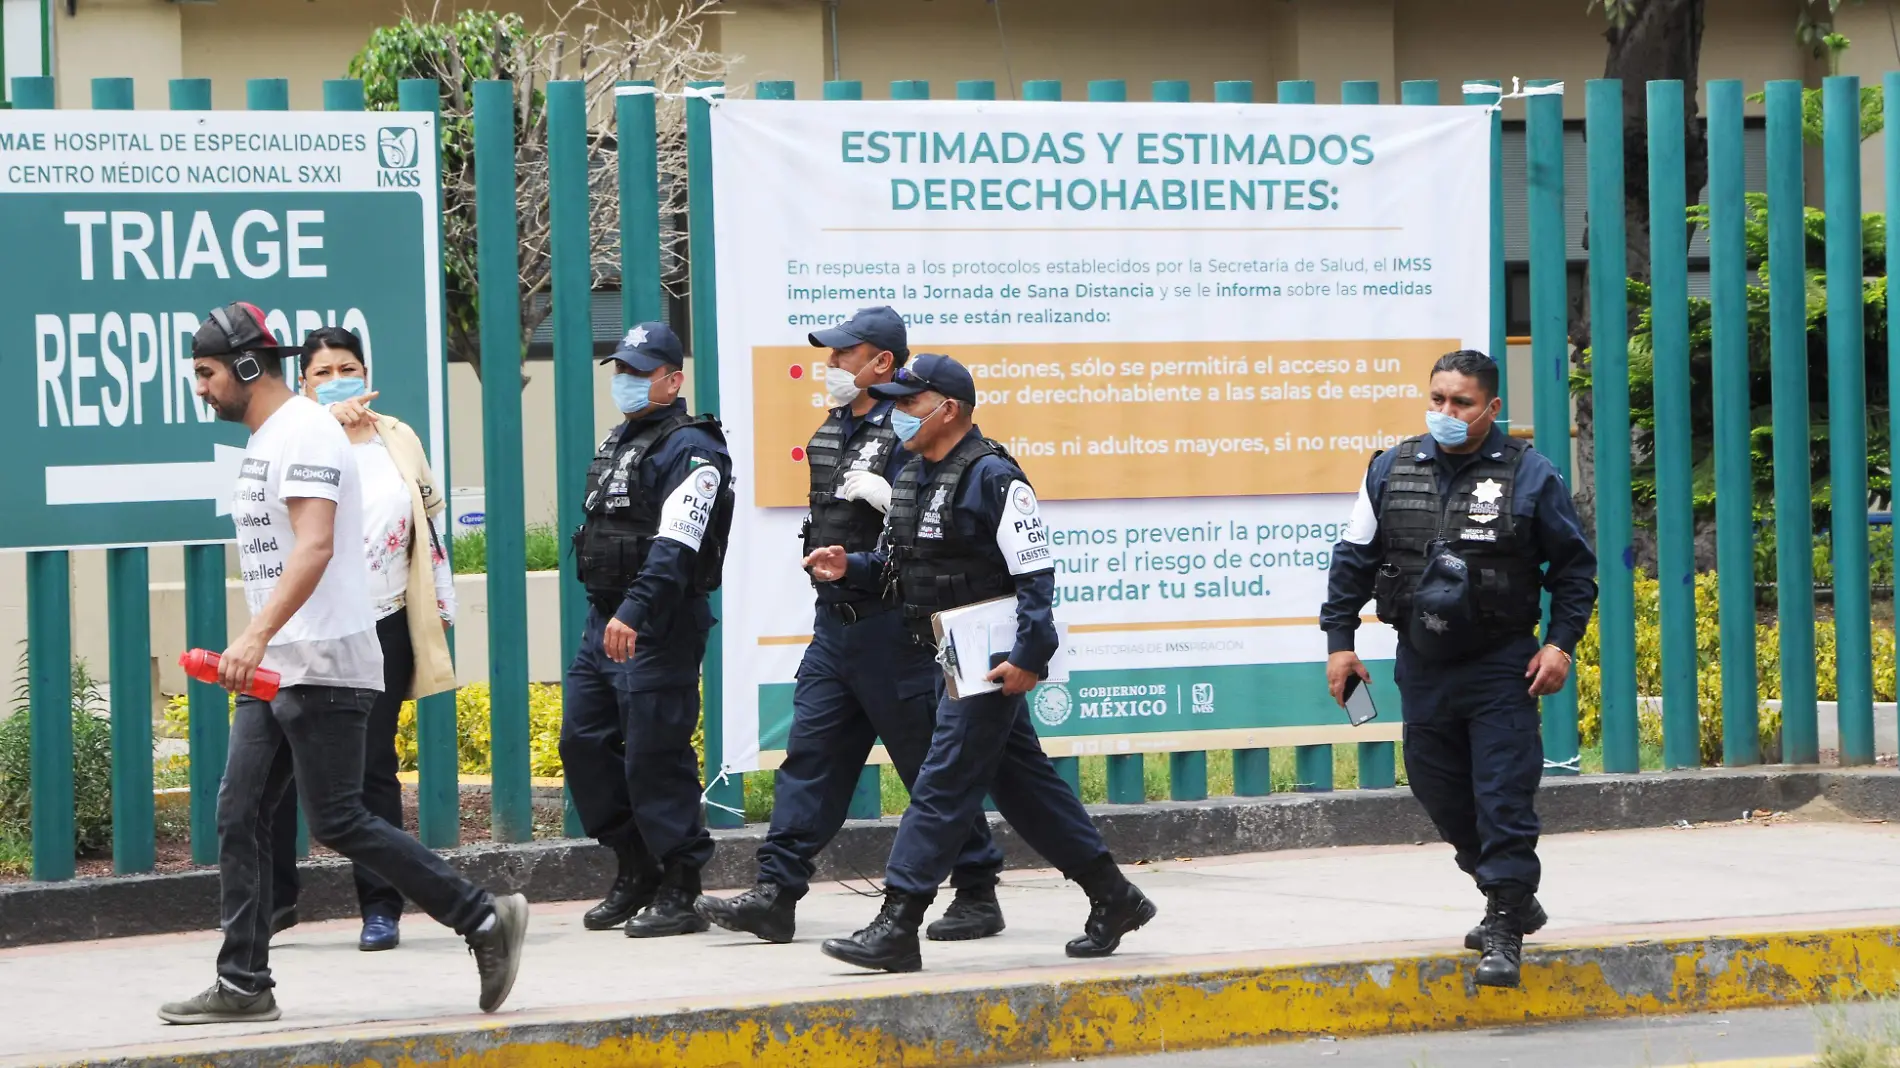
<point>382,791</point>
<point>1474,758</point>
<point>317,733</point>
<point>986,743</point>
<point>859,683</point>
<point>629,756</point>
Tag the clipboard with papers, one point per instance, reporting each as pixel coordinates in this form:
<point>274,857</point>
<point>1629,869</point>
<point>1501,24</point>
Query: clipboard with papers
<point>974,639</point>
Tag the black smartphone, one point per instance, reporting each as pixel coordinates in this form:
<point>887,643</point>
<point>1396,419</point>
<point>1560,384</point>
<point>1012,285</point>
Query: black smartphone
<point>1359,707</point>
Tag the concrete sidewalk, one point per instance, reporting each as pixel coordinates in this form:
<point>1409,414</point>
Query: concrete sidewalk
<point>1305,911</point>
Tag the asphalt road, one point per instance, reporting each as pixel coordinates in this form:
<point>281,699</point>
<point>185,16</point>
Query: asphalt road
<point>1769,1038</point>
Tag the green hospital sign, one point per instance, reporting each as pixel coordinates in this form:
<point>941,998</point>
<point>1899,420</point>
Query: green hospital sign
<point>122,229</point>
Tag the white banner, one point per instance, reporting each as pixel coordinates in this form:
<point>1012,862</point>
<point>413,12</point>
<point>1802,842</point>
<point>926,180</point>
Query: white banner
<point>1192,324</point>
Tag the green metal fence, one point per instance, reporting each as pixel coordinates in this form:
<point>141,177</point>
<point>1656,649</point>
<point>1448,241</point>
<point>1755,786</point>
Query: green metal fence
<point>634,117</point>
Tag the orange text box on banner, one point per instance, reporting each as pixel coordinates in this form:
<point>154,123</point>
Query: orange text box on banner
<point>1126,420</point>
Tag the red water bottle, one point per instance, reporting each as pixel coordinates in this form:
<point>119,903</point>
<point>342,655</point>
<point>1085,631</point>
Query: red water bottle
<point>202,664</point>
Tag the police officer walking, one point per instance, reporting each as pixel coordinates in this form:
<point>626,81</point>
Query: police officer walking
<point>862,678</point>
<point>658,506</point>
<point>964,527</point>
<point>1458,534</point>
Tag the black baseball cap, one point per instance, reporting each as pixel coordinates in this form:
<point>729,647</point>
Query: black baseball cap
<point>930,371</point>
<point>649,347</point>
<point>881,326</point>
<point>235,328</point>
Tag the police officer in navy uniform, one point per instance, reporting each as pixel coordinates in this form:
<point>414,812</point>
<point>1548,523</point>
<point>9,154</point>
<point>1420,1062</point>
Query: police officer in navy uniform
<point>862,679</point>
<point>964,526</point>
<point>1457,535</point>
<point>658,507</point>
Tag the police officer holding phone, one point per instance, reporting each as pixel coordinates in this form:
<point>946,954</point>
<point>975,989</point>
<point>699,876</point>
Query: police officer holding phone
<point>658,509</point>
<point>964,527</point>
<point>1458,534</point>
<point>862,679</point>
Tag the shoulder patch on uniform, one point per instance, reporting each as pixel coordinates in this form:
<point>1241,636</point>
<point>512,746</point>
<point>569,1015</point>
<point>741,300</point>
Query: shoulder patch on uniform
<point>1020,533</point>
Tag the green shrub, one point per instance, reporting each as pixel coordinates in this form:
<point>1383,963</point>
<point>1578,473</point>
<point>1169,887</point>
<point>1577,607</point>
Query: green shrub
<point>92,764</point>
<point>470,551</point>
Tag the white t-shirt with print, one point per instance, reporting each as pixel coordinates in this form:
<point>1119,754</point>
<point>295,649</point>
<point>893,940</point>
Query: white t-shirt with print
<point>300,451</point>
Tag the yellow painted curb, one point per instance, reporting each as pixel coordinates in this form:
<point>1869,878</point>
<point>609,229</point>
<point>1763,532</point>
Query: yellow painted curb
<point>1087,1014</point>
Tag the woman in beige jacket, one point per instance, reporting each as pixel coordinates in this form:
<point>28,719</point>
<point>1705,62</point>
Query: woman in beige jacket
<point>413,591</point>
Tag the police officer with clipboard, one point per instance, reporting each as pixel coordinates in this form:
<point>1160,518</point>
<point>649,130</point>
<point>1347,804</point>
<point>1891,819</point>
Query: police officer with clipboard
<point>658,507</point>
<point>862,679</point>
<point>1458,534</point>
<point>964,526</point>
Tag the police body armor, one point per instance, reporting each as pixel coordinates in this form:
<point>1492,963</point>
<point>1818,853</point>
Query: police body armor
<point>933,567</point>
<point>611,546</point>
<point>833,520</point>
<point>1472,533</point>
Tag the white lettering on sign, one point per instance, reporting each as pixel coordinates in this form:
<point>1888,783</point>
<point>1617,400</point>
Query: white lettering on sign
<point>133,237</point>
<point>96,369</point>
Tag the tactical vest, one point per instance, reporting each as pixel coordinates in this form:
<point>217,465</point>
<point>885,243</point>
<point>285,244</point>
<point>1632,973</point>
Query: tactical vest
<point>933,567</point>
<point>610,548</point>
<point>833,520</point>
<point>1494,544</point>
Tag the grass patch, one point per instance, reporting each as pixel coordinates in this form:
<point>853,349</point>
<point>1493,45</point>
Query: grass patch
<point>16,855</point>
<point>470,550</point>
<point>1873,1043</point>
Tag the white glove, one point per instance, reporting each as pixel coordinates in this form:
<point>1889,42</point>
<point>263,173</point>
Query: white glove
<point>869,488</point>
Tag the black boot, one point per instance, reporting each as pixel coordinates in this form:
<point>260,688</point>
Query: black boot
<point>974,913</point>
<point>765,911</point>
<point>1116,907</point>
<point>1503,940</point>
<point>889,944</point>
<point>1530,920</point>
<point>636,880</point>
<point>671,912</point>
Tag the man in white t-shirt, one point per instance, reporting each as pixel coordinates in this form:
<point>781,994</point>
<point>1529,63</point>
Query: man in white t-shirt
<point>311,623</point>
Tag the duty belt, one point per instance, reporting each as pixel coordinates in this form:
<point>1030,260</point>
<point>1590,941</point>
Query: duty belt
<point>856,611</point>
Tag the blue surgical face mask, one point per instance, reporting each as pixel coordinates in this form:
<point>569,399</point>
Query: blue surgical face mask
<point>337,390</point>
<point>905,426</point>
<point>1447,429</point>
<point>632,393</point>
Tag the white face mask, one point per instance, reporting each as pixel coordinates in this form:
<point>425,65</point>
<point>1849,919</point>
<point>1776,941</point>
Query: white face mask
<point>841,385</point>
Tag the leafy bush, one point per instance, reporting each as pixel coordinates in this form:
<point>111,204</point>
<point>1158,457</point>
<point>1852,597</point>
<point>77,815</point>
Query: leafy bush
<point>473,740</point>
<point>92,764</point>
<point>470,551</point>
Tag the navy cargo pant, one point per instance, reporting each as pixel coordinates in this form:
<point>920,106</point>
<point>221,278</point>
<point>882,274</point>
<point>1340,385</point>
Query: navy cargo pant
<point>862,680</point>
<point>985,744</point>
<point>627,746</point>
<point>1474,757</point>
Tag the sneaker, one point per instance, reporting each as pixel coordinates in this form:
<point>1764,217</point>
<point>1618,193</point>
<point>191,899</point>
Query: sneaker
<point>221,1004</point>
<point>974,913</point>
<point>496,947</point>
<point>763,911</point>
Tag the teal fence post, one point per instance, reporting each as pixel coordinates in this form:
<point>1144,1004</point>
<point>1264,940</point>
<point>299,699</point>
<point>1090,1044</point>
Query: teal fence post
<point>1675,532</point>
<point>1610,398</point>
<point>343,94</point>
<point>842,90</point>
<point>1847,420</point>
<point>976,89</point>
<point>438,798</point>
<point>910,89</point>
<point>208,719</point>
<point>1788,354</point>
<point>267,94</point>
<point>1486,92</point>
<point>1312,764</point>
<point>1253,768</point>
<point>725,794</point>
<point>49,652</point>
<point>496,238</point>
<point>1045,89</point>
<point>1550,357</point>
<point>642,293</point>
<point>129,628</point>
<point>1127,772</point>
<point>1891,91</point>
<point>571,254</point>
<point>1734,474</point>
